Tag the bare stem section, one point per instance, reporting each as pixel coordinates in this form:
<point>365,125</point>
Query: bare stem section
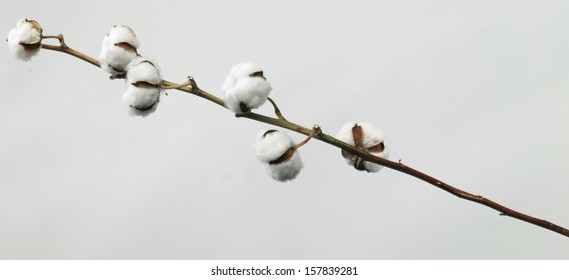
<point>315,130</point>
<point>277,110</point>
<point>191,87</point>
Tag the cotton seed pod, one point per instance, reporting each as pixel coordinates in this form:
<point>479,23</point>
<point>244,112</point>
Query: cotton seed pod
<point>141,101</point>
<point>276,151</point>
<point>144,72</point>
<point>364,136</point>
<point>118,49</point>
<point>245,88</point>
<point>143,87</point>
<point>25,39</point>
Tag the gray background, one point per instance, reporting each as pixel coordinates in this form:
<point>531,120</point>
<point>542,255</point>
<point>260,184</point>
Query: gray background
<point>472,92</point>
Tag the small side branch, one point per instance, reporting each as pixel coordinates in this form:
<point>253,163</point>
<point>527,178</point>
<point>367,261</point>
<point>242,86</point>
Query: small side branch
<point>58,37</point>
<point>315,130</point>
<point>277,111</point>
<point>189,83</point>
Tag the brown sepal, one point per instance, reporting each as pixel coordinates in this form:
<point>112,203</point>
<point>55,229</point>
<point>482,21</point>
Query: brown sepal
<point>244,107</point>
<point>29,47</point>
<point>257,74</point>
<point>285,157</point>
<point>377,148</point>
<point>144,84</point>
<point>358,135</point>
<point>127,47</point>
<point>35,25</point>
<point>269,132</point>
<point>145,108</point>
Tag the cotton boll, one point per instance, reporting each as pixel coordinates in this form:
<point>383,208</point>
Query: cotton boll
<point>118,49</point>
<point>114,59</point>
<point>141,101</point>
<point>275,150</point>
<point>25,39</point>
<point>123,34</point>
<point>143,87</point>
<point>371,139</point>
<point>247,94</point>
<point>271,144</point>
<point>141,69</point>
<point>372,135</point>
<point>245,88</point>
<point>287,170</point>
<point>239,71</point>
<point>345,133</point>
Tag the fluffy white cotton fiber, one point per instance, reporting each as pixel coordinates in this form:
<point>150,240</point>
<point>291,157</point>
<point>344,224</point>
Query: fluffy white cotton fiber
<point>287,170</point>
<point>24,40</point>
<point>275,150</point>
<point>141,101</point>
<point>143,69</point>
<point>118,48</point>
<point>372,139</point>
<point>245,88</point>
<point>143,87</point>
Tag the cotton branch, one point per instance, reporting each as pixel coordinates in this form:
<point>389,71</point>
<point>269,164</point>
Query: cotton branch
<point>277,110</point>
<point>362,153</point>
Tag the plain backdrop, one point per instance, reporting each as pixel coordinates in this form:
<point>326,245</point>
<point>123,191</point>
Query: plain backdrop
<point>474,93</point>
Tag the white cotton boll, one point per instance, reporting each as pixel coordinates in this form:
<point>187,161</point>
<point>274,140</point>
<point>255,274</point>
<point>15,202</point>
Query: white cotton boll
<point>345,133</point>
<point>239,71</point>
<point>118,49</point>
<point>142,69</point>
<point>24,40</point>
<point>272,148</point>
<point>123,34</point>
<point>271,144</point>
<point>287,170</point>
<point>249,92</point>
<point>372,134</point>
<point>114,59</point>
<point>143,87</point>
<point>372,139</point>
<point>245,88</point>
<point>141,101</point>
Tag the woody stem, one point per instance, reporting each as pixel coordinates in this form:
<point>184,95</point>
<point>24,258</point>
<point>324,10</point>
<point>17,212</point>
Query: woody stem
<point>398,166</point>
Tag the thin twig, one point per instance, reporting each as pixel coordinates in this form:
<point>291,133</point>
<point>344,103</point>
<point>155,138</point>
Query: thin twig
<point>398,166</point>
<point>175,86</point>
<point>315,130</point>
<point>277,111</point>
<point>58,37</point>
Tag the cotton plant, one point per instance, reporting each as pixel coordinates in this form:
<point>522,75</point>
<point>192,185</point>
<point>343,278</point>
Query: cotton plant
<point>119,57</point>
<point>245,88</point>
